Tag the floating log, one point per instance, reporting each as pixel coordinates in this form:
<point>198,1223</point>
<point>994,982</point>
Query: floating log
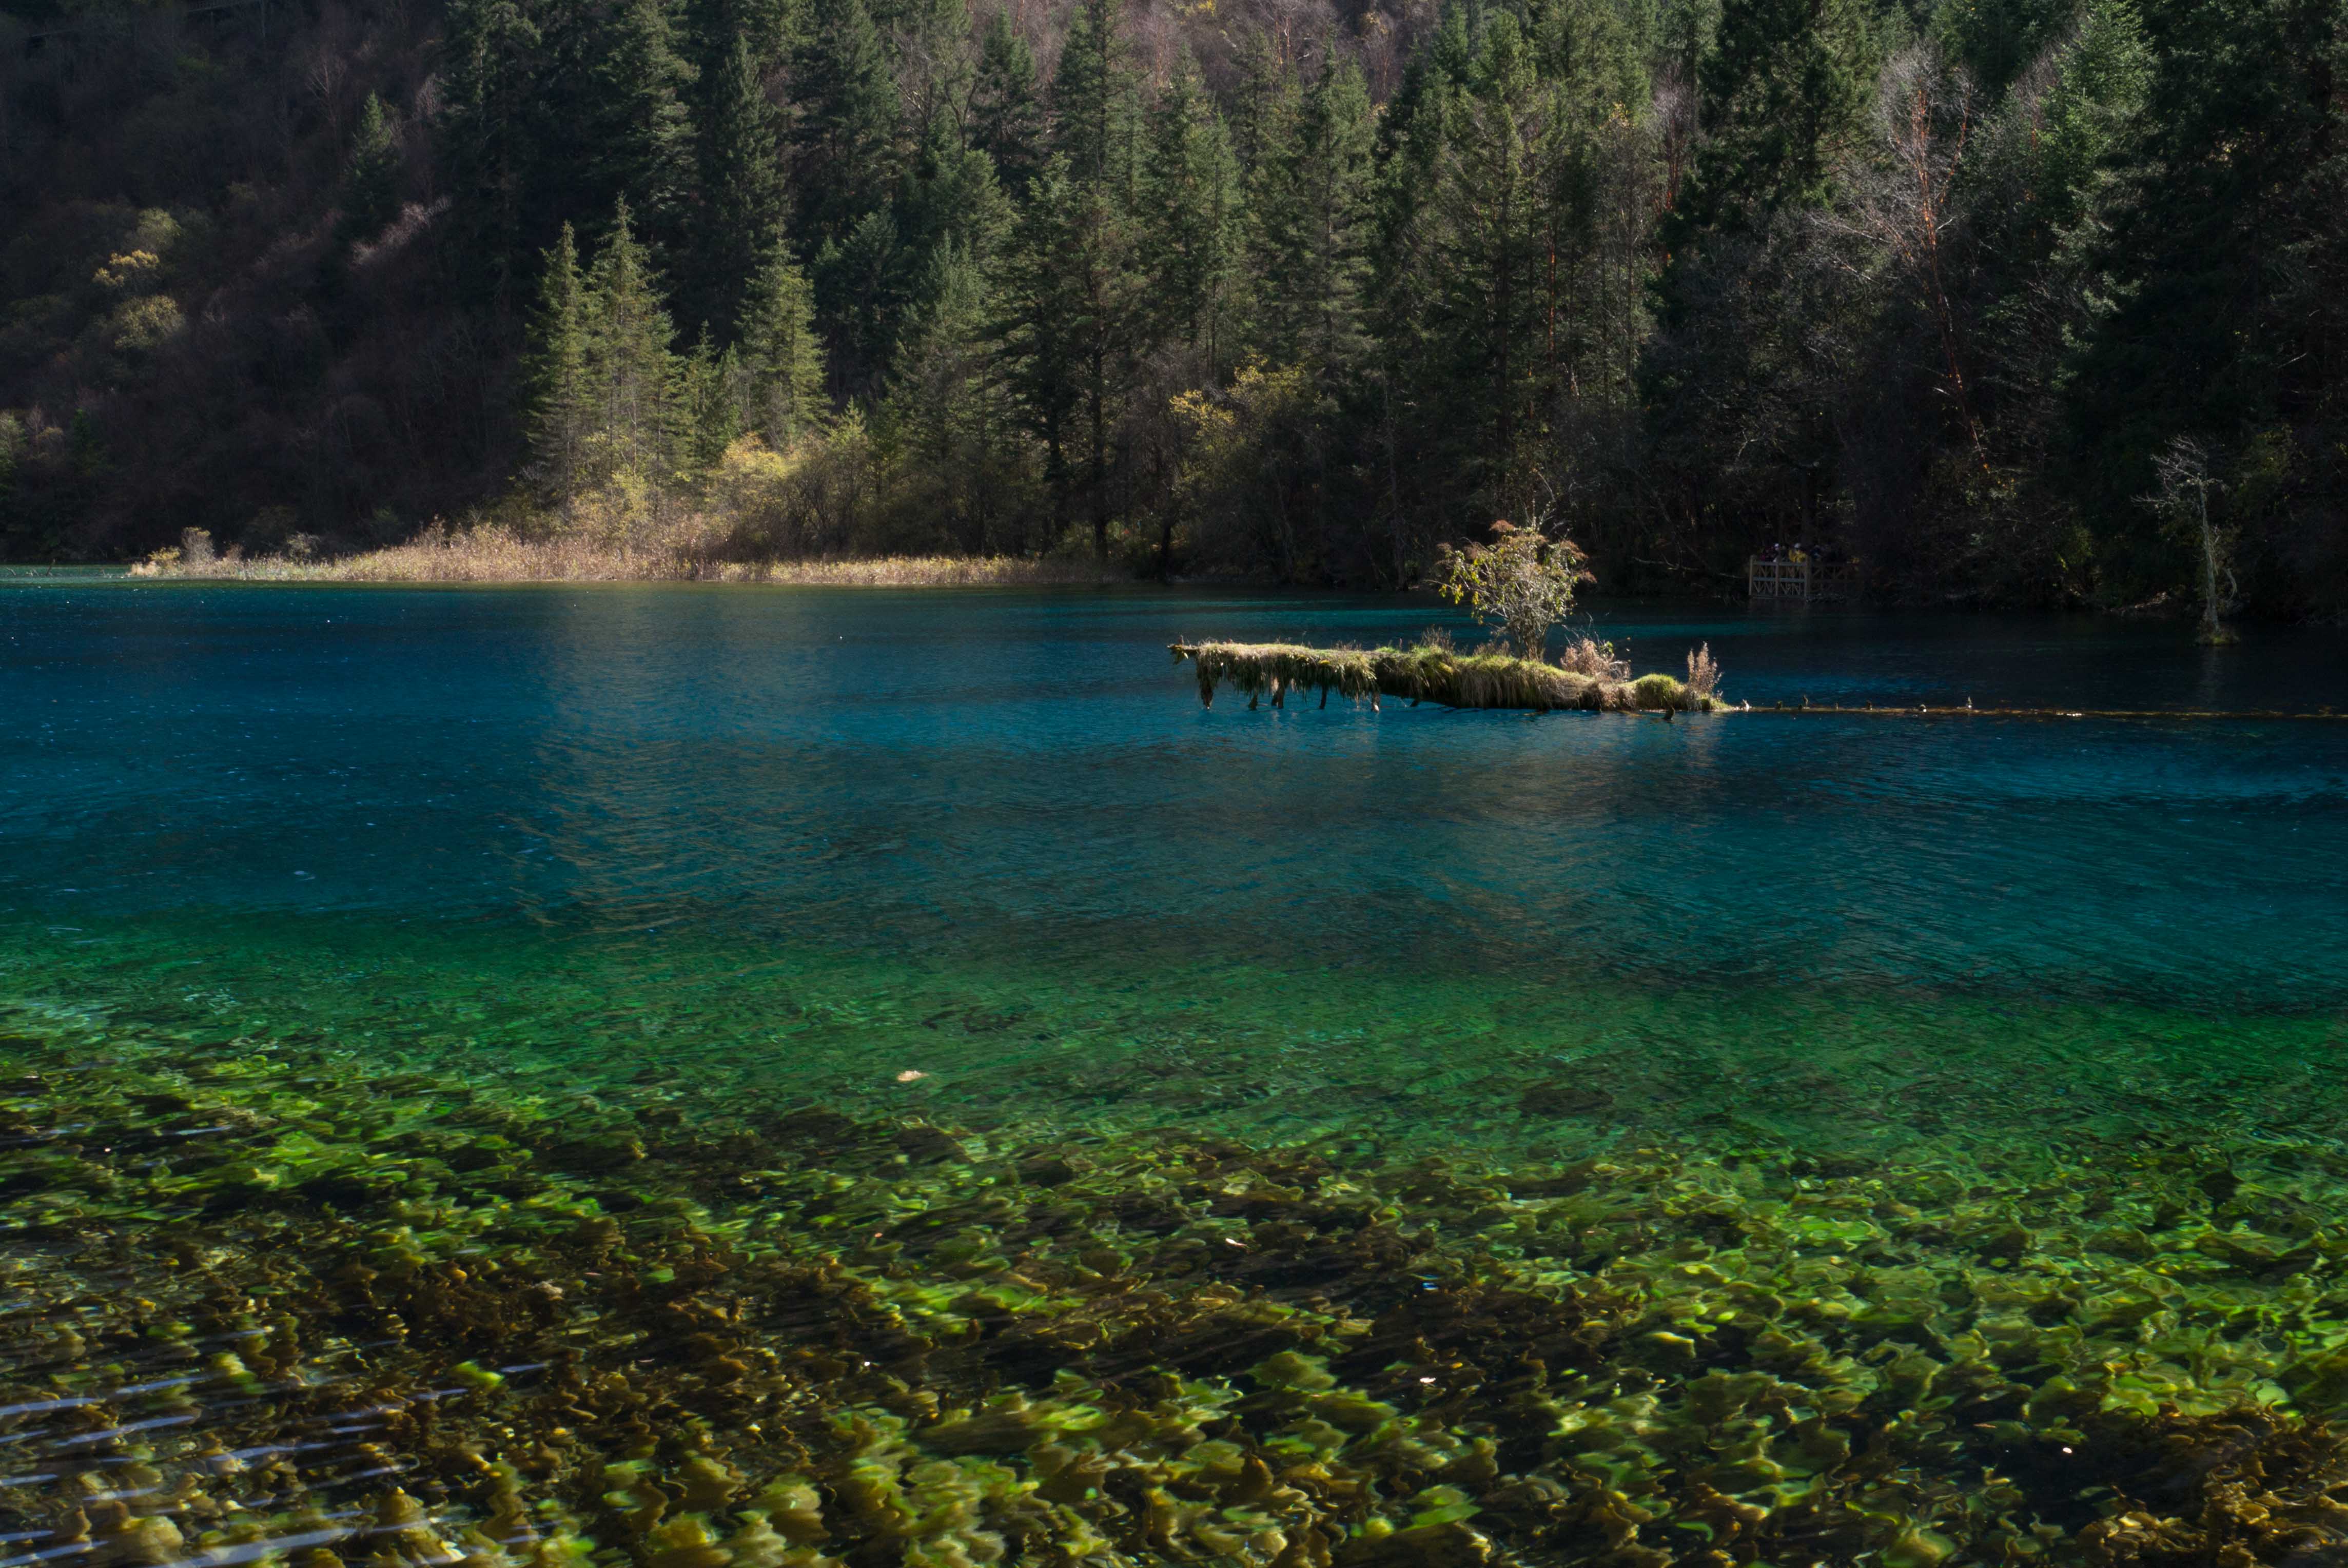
<point>1442,675</point>
<point>1921,710</point>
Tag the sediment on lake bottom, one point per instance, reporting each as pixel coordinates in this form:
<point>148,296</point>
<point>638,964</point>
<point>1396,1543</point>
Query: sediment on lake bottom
<point>268,1304</point>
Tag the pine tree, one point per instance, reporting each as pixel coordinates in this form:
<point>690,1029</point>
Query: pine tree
<point>782,367</point>
<point>1995,40</point>
<point>2049,190</point>
<point>487,142</point>
<point>1007,117</point>
<point>1074,315</point>
<point>1593,52</point>
<point>864,283</point>
<point>1040,303</point>
<point>1094,101</point>
<point>1314,224</point>
<point>951,192</point>
<point>846,97</point>
<point>1263,102</point>
<point>1491,189</point>
<point>1191,213</point>
<point>712,409</point>
<point>562,401</point>
<point>632,372</point>
<point>1784,89</point>
<point>764,28</point>
<point>371,178</point>
<point>2228,318</point>
<point>951,413</point>
<point>639,139</point>
<point>949,199</point>
<point>741,185</point>
<point>927,42</point>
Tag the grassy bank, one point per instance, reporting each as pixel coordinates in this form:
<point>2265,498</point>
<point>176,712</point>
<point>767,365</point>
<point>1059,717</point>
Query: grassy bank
<point>498,553</point>
<point>1433,672</point>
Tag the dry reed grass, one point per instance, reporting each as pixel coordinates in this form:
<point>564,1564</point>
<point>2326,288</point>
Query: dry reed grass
<point>496,553</point>
<point>1588,656</point>
<point>1704,670</point>
<point>1428,673</point>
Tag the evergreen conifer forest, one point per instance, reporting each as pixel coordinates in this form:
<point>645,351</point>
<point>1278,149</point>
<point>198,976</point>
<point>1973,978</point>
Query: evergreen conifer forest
<point>1292,290</point>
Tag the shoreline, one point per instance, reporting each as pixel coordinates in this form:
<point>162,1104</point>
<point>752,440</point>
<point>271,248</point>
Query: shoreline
<point>518,562</point>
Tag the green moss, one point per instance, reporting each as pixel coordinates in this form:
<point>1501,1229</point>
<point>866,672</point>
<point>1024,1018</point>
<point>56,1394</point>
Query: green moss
<point>1426,674</point>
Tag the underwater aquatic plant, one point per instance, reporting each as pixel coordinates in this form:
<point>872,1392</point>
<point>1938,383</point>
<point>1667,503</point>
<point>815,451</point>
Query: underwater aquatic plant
<point>273,1303</point>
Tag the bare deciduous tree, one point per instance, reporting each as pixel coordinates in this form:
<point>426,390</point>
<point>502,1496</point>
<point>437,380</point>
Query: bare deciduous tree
<point>1907,203</point>
<point>2182,469</point>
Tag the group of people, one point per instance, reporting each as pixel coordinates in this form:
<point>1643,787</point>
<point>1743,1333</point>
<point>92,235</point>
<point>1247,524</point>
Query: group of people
<point>1821,554</point>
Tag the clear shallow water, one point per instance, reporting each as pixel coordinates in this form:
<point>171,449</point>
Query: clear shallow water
<point>979,859</point>
<point>682,799</point>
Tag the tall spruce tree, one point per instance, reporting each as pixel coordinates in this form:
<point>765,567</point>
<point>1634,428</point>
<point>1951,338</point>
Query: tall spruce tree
<point>487,141</point>
<point>741,190</point>
<point>632,372</point>
<point>1492,185</point>
<point>561,408</point>
<point>638,135</point>
<point>1263,101</point>
<point>846,142</point>
<point>782,367</point>
<point>1784,89</point>
<point>951,413</point>
<point>864,283</point>
<point>1314,222</point>
<point>1007,114</point>
<point>710,381</point>
<point>371,178</point>
<point>1095,102</point>
<point>1038,324</point>
<point>1193,212</point>
<point>2229,322</point>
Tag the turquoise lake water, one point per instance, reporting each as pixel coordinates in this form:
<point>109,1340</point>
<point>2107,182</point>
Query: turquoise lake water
<point>979,859</point>
<point>541,806</point>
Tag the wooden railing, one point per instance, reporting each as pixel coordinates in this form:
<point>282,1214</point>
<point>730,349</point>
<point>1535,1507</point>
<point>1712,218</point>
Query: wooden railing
<point>1804,579</point>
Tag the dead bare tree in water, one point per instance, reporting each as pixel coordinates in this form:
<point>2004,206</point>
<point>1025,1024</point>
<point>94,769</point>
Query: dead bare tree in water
<point>2182,469</point>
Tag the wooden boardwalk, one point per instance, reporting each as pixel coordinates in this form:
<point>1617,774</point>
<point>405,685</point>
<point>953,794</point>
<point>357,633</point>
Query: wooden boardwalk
<point>1810,581</point>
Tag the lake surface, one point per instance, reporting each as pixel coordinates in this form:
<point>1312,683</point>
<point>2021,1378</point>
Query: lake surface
<point>1412,1136</point>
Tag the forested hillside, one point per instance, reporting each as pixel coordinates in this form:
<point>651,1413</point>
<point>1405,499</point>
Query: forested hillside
<point>1295,289</point>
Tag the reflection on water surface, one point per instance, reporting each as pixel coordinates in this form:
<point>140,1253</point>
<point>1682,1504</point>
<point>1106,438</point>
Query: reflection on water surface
<point>710,1077</point>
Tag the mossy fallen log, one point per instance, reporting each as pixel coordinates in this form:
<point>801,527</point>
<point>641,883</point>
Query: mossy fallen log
<point>1428,674</point>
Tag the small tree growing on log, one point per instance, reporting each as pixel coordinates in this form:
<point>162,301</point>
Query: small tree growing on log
<point>1523,580</point>
<point>2183,469</point>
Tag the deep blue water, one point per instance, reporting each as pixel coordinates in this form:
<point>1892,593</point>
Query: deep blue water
<point>993,774</point>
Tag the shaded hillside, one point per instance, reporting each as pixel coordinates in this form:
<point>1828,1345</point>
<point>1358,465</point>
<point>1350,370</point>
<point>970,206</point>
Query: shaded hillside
<point>1292,290</point>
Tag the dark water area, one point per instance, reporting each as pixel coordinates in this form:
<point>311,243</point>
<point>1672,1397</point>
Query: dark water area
<point>704,1076</point>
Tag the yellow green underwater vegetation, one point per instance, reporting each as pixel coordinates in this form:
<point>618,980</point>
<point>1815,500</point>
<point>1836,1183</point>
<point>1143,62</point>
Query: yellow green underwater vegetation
<point>263,1306</point>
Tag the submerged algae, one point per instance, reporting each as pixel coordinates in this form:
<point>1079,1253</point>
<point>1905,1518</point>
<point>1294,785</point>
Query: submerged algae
<point>270,1306</point>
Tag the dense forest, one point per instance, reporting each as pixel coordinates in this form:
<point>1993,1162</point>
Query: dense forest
<point>1291,289</point>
